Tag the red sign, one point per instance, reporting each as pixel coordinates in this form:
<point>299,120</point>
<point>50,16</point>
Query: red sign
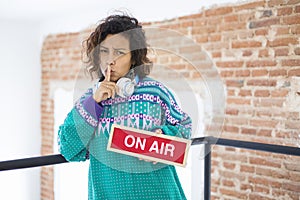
<point>148,145</point>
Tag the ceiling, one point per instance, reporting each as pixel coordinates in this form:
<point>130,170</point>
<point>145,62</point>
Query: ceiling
<point>39,10</point>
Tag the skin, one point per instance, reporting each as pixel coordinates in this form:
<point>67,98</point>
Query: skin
<point>115,63</point>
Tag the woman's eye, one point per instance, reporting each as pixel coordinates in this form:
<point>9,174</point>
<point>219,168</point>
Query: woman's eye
<point>120,52</point>
<point>103,51</point>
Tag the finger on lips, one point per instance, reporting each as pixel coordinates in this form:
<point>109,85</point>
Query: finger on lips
<point>108,73</point>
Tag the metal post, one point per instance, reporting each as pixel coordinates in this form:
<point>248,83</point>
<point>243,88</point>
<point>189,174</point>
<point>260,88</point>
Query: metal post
<point>207,171</point>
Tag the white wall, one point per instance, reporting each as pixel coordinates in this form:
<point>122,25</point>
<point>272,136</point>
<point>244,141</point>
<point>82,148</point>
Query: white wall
<point>20,106</point>
<point>20,70</point>
<point>64,173</point>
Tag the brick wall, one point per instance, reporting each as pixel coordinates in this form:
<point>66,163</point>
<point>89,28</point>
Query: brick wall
<point>255,46</point>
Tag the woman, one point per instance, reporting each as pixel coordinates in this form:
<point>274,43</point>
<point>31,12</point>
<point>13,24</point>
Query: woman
<point>117,49</point>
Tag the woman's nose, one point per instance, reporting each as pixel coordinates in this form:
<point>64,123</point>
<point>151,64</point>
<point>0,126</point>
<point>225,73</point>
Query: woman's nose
<point>111,60</point>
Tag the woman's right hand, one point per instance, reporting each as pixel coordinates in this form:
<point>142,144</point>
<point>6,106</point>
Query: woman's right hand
<point>107,88</point>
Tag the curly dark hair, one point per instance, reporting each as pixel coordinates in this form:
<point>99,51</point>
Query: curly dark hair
<point>128,27</point>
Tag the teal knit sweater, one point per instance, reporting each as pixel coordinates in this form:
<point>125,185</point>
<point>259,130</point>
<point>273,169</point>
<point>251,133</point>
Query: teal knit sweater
<point>85,131</point>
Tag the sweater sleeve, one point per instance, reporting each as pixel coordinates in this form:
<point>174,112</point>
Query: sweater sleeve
<point>175,121</point>
<point>78,128</point>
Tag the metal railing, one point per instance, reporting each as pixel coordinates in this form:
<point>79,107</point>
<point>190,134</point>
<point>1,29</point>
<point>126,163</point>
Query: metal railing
<point>206,141</point>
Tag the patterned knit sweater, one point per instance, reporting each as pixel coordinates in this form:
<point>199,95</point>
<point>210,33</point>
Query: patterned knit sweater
<point>85,131</point>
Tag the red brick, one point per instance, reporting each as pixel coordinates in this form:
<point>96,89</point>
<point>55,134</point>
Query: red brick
<point>292,2</point>
<point>292,125</point>
<point>297,51</point>
<point>231,111</point>
<point>284,11</point>
<point>204,30</point>
<point>186,24</point>
<point>282,31</point>
<point>270,102</point>
<point>238,121</point>
<point>196,75</point>
<point>265,162</point>
<point>231,193</point>
<point>291,62</point>
<point>264,133</point>
<point>230,64</point>
<point>192,16</point>
<point>245,34</point>
<point>293,115</point>
<point>226,73</point>
<point>214,38</point>
<point>228,36</point>
<point>279,174</point>
<point>230,129</point>
<point>230,92</point>
<point>295,187</point>
<point>282,42</point>
<point>242,73</point>
<point>214,20</point>
<point>178,66</point>
<point>289,20</point>
<point>249,131</point>
<point>216,46</point>
<point>201,39</point>
<point>231,174</point>
<point>294,72</point>
<point>235,83</point>
<point>200,22</point>
<point>245,44</point>
<point>251,5</point>
<point>259,72</point>
<point>263,113</point>
<point>263,123</point>
<point>281,52</point>
<point>215,181</point>
<point>228,165</point>
<point>231,18</point>
<point>295,29</point>
<point>247,187</point>
<point>218,11</point>
<point>297,9</point>
<point>247,53</point>
<point>259,82</point>
<point>232,26</point>
<point>278,72</point>
<point>262,93</point>
<point>186,49</point>
<point>292,166</point>
<point>247,168</point>
<point>228,183</point>
<point>261,190</point>
<point>216,54</point>
<point>258,196</point>
<point>238,101</point>
<point>230,149</point>
<point>262,31</point>
<point>294,176</point>
<point>264,23</point>
<point>261,63</point>
<point>272,3</point>
<point>263,53</point>
<point>244,93</point>
<point>279,93</point>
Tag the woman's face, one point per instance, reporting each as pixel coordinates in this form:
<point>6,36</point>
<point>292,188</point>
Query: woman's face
<point>115,51</point>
